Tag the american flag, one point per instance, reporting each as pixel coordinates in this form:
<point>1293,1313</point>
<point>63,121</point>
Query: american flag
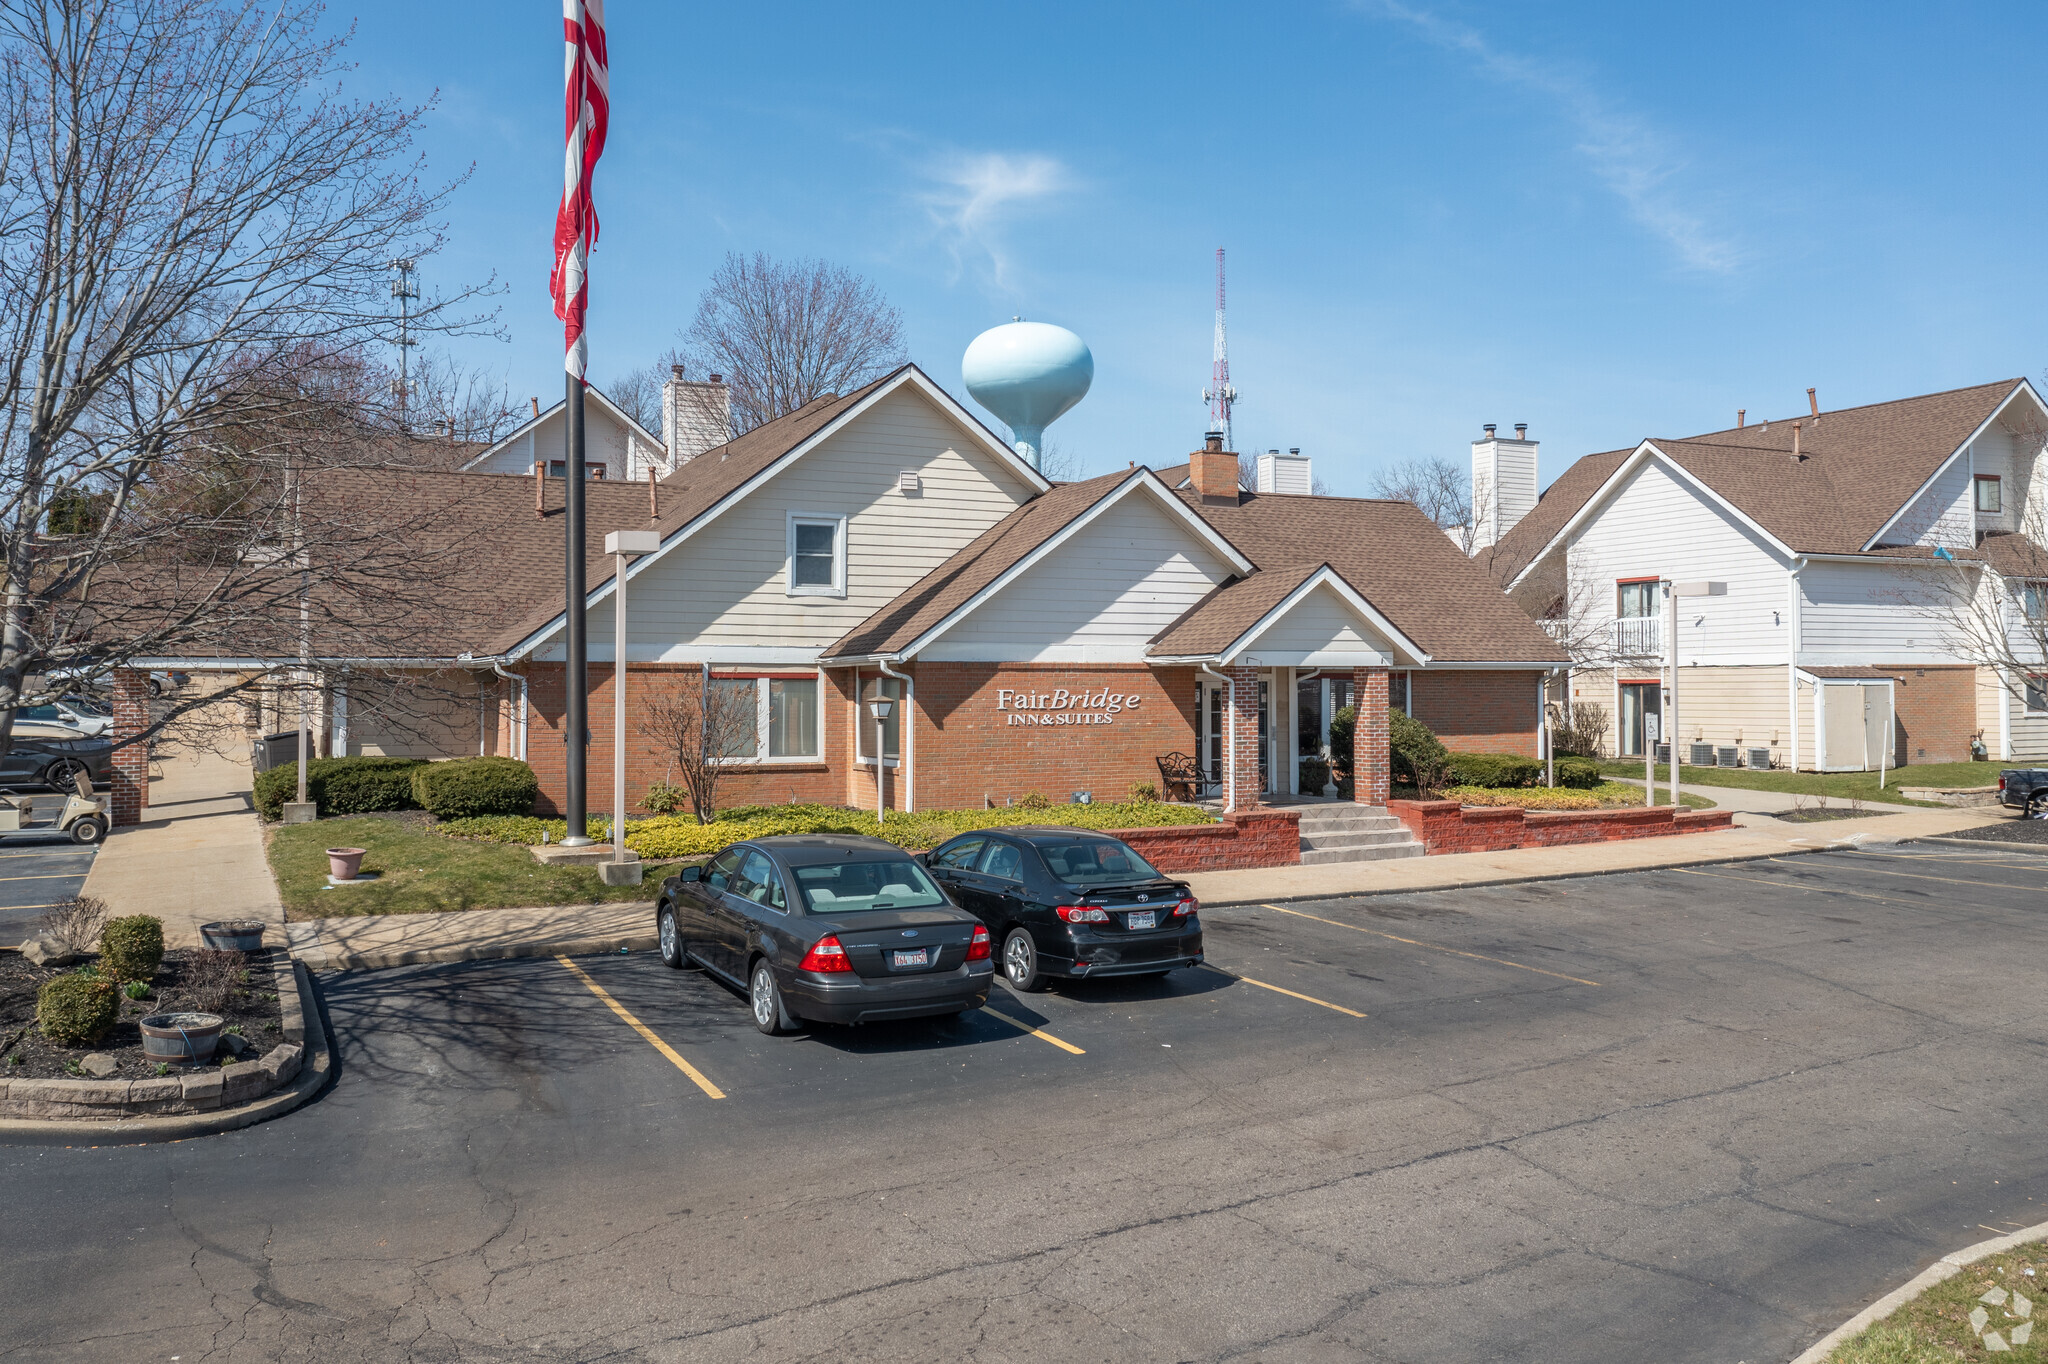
<point>588,107</point>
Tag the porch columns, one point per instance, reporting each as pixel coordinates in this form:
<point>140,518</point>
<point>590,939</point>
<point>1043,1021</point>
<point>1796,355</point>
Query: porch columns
<point>1371,762</point>
<point>1241,744</point>
<point>131,763</point>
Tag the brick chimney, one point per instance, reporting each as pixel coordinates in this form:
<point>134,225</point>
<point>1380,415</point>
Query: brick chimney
<point>695,416</point>
<point>1213,470</point>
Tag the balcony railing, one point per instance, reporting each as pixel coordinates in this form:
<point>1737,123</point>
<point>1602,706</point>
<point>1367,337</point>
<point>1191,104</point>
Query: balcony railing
<point>1639,637</point>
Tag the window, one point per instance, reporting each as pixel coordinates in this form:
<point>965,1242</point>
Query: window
<point>1003,860</point>
<point>817,556</point>
<point>959,856</point>
<point>792,717</point>
<point>850,887</point>
<point>758,882</point>
<point>555,467</point>
<point>718,875</point>
<point>2037,693</point>
<point>1990,493</point>
<point>1635,600</point>
<point>740,743</point>
<point>1096,863</point>
<point>2034,599</point>
<point>892,728</point>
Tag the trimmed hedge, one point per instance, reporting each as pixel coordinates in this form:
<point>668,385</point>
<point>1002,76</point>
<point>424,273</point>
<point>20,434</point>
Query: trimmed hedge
<point>1503,771</point>
<point>77,1011</point>
<point>1581,774</point>
<point>340,786</point>
<point>132,948</point>
<point>463,788</point>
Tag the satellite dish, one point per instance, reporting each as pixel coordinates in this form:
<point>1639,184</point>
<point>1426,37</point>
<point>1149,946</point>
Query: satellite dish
<point>1028,374</point>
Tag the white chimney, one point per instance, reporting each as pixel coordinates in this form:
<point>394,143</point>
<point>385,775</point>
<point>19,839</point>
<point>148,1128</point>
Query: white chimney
<point>695,416</point>
<point>1503,483</point>
<point>1288,473</point>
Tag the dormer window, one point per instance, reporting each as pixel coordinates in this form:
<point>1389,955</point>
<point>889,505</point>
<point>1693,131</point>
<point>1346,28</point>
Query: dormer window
<point>1990,494</point>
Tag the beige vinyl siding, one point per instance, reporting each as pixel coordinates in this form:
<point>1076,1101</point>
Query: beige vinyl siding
<point>1808,754</point>
<point>416,715</point>
<point>2029,731</point>
<point>1735,707</point>
<point>1595,687</point>
<point>1099,598</point>
<point>1320,623</point>
<point>1851,614</point>
<point>1989,694</point>
<point>725,587</point>
<point>606,441</point>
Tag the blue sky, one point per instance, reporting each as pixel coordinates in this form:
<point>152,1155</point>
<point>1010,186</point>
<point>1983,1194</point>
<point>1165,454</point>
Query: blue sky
<point>1609,221</point>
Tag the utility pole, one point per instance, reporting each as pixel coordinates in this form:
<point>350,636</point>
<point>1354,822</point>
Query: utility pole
<point>1220,396</point>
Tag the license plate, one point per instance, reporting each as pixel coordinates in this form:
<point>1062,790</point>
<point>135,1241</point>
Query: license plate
<point>915,956</point>
<point>1143,918</point>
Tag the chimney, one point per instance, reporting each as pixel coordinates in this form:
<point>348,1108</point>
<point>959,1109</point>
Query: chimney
<point>1503,483</point>
<point>1813,403</point>
<point>1213,471</point>
<point>1741,417</point>
<point>1288,473</point>
<point>1796,456</point>
<point>653,496</point>
<point>695,416</point>
<point>540,487</point>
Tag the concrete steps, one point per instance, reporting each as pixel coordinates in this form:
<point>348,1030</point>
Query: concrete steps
<point>1353,833</point>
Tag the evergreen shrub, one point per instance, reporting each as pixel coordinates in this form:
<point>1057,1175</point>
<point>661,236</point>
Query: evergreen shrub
<point>77,1011</point>
<point>464,787</point>
<point>132,948</point>
<point>340,786</point>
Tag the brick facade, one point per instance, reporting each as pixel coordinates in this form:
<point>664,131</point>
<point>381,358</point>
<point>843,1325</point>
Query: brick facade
<point>131,762</point>
<point>1478,712</point>
<point>1371,762</point>
<point>1443,826</point>
<point>1936,713</point>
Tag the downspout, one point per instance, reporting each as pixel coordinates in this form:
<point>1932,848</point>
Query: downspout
<point>1792,666</point>
<point>1229,739</point>
<point>519,722</point>
<point>909,765</point>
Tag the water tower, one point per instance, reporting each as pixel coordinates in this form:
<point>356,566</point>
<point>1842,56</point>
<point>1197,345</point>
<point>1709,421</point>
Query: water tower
<point>1027,374</point>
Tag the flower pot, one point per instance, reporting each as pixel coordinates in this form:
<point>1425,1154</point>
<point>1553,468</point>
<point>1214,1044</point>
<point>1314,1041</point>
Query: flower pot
<point>344,863</point>
<point>181,1039</point>
<point>233,935</point>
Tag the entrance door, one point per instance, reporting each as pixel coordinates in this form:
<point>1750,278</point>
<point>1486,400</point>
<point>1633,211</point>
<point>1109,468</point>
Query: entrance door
<point>1640,701</point>
<point>1210,701</point>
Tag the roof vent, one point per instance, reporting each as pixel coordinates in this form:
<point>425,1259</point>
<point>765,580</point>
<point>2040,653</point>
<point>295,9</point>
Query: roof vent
<point>1796,456</point>
<point>908,483</point>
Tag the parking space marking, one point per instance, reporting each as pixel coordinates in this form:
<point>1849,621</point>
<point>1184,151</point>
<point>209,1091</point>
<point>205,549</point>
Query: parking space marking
<point>54,850</point>
<point>1289,993</point>
<point>1794,885</point>
<point>1040,1034</point>
<point>1453,951</point>
<point>52,876</point>
<point>1915,876</point>
<point>646,1032</point>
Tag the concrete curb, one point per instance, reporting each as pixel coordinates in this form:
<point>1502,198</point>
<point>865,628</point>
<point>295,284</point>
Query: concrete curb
<point>1947,1267</point>
<point>1996,844</point>
<point>314,1075</point>
<point>454,952</point>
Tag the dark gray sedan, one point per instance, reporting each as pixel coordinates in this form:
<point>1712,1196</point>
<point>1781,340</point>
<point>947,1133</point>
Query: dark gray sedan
<point>827,927</point>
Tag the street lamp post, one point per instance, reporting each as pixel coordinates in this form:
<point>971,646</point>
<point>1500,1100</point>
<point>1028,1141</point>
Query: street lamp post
<point>624,546</point>
<point>881,705</point>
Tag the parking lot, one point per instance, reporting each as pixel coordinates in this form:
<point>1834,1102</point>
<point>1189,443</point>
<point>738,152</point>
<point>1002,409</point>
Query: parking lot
<point>35,872</point>
<point>1682,1115</point>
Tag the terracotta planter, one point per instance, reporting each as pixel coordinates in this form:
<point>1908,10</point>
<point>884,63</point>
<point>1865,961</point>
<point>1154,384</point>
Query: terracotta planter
<point>344,863</point>
<point>181,1039</point>
<point>233,935</point>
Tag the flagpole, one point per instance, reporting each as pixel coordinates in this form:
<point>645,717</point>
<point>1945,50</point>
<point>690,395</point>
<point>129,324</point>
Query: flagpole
<point>576,722</point>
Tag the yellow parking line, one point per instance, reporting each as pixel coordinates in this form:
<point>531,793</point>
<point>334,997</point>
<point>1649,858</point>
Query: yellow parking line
<point>1035,1032</point>
<point>51,852</point>
<point>1293,995</point>
<point>1945,880</point>
<point>53,876</point>
<point>664,1048</point>
<point>1456,952</point>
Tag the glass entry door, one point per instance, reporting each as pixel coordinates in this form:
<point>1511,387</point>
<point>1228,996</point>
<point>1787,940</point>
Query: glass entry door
<point>1210,703</point>
<point>1642,705</point>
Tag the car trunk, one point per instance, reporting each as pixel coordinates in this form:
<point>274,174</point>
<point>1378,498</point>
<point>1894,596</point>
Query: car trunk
<point>1138,898</point>
<point>884,943</point>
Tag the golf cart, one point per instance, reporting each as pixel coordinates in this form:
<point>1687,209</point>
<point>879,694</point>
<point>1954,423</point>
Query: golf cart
<point>84,815</point>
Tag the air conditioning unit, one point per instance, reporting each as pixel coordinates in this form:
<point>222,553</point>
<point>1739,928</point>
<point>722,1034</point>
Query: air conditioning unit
<point>1701,755</point>
<point>1760,759</point>
<point>1727,756</point>
<point>1663,754</point>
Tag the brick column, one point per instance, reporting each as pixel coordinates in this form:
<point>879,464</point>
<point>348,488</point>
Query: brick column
<point>131,764</point>
<point>1241,751</point>
<point>1371,762</point>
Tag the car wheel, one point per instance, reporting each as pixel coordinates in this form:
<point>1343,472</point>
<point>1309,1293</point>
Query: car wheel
<point>156,688</point>
<point>771,1015</point>
<point>1020,962</point>
<point>88,830</point>
<point>671,939</point>
<point>2037,807</point>
<point>59,775</point>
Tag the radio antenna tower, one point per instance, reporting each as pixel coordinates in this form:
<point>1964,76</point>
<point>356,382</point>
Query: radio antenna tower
<point>405,290</point>
<point>1220,396</point>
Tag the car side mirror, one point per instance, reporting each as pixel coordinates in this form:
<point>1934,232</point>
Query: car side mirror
<point>923,859</point>
<point>693,873</point>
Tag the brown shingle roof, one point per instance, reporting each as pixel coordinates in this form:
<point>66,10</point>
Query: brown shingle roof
<point>2014,556</point>
<point>1863,465</point>
<point>1222,617</point>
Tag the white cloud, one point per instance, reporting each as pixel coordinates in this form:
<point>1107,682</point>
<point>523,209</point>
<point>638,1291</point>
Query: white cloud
<point>1630,157</point>
<point>979,194</point>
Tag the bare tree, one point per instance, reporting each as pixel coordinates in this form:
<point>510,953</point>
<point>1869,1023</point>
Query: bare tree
<point>1440,489</point>
<point>786,332</point>
<point>196,230</point>
<point>637,392</point>
<point>461,403</point>
<point>703,729</point>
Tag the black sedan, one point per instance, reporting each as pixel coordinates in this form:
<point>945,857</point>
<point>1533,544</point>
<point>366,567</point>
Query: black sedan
<point>1067,902</point>
<point>49,755</point>
<point>832,928</point>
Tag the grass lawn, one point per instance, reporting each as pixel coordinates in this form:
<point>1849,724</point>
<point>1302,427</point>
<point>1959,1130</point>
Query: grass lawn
<point>421,872</point>
<point>1938,1327</point>
<point>1834,785</point>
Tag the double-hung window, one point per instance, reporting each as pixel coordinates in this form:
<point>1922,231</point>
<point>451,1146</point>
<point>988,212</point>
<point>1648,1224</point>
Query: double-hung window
<point>892,728</point>
<point>1636,600</point>
<point>1990,494</point>
<point>2034,599</point>
<point>775,716</point>
<point>2037,694</point>
<point>816,556</point>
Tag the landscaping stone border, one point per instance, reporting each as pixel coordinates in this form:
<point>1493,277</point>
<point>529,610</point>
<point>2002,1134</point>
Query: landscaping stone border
<point>1947,1267</point>
<point>1252,838</point>
<point>173,1108</point>
<point>1445,826</point>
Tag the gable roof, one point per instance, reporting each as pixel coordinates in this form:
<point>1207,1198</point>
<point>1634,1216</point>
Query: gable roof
<point>1230,619</point>
<point>999,554</point>
<point>1863,466</point>
<point>533,423</point>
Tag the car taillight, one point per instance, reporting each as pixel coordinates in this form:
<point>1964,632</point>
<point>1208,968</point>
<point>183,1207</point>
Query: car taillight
<point>1082,914</point>
<point>2001,783</point>
<point>977,948</point>
<point>825,955</point>
<point>1186,907</point>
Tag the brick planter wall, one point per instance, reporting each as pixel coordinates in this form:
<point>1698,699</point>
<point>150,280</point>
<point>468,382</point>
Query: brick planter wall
<point>1255,838</point>
<point>1444,826</point>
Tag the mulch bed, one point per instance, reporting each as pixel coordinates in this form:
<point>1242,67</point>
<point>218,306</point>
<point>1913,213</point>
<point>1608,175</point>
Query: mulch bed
<point>2006,831</point>
<point>1819,816</point>
<point>255,1010</point>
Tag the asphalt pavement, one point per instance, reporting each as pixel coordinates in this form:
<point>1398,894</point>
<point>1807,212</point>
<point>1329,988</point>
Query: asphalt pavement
<point>1693,1114</point>
<point>36,871</point>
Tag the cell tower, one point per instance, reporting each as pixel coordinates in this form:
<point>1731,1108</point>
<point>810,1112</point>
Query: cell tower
<point>405,290</point>
<point>1220,396</point>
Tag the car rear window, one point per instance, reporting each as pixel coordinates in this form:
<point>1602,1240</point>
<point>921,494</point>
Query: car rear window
<point>851,887</point>
<point>1096,863</point>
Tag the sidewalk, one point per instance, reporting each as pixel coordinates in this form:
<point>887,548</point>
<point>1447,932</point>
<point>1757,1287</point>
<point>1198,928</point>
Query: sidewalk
<point>370,942</point>
<point>198,856</point>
